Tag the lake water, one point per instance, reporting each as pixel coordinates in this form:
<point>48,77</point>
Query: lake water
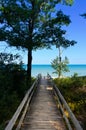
<point>44,69</point>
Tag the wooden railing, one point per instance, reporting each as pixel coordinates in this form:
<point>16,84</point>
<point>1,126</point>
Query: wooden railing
<point>22,109</point>
<point>70,119</point>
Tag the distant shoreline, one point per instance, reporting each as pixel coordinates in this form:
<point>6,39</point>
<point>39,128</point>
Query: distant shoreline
<point>80,69</point>
<point>50,64</point>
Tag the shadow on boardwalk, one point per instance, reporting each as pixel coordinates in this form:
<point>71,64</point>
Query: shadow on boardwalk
<point>43,113</point>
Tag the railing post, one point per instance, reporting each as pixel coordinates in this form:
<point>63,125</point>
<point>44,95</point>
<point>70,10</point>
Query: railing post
<point>23,105</point>
<point>61,98</point>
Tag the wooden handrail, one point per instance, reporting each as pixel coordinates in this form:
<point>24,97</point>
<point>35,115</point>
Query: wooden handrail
<point>25,102</point>
<point>63,105</point>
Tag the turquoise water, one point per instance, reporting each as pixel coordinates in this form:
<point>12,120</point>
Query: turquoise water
<point>44,69</point>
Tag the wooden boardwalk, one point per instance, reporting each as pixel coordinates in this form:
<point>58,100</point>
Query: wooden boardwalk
<point>43,113</point>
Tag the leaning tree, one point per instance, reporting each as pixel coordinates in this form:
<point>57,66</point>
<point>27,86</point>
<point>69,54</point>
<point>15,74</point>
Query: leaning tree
<point>21,21</point>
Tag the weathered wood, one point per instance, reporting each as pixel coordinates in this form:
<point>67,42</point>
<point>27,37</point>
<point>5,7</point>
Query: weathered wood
<point>43,113</point>
<point>21,106</point>
<point>24,112</point>
<point>64,103</point>
<point>62,110</point>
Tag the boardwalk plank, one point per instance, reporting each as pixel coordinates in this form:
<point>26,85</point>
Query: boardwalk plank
<point>43,113</point>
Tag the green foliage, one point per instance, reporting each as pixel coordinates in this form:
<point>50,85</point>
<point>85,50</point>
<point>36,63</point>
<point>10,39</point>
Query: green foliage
<point>60,67</point>
<point>58,39</point>
<point>76,81</point>
<point>12,86</point>
<point>84,15</point>
<point>69,2</point>
<point>74,91</point>
<point>54,34</point>
<point>62,19</point>
<point>9,58</point>
<point>21,24</point>
<point>22,21</point>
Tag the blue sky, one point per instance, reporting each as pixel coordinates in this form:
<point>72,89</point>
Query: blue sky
<point>75,31</point>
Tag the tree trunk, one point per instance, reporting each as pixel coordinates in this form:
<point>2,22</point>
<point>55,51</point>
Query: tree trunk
<point>60,69</point>
<point>29,67</point>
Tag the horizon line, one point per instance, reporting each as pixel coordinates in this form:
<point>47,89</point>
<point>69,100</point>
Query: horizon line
<point>67,64</point>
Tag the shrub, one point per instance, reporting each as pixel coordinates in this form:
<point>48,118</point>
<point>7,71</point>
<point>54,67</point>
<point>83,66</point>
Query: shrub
<point>12,86</point>
<point>74,91</point>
